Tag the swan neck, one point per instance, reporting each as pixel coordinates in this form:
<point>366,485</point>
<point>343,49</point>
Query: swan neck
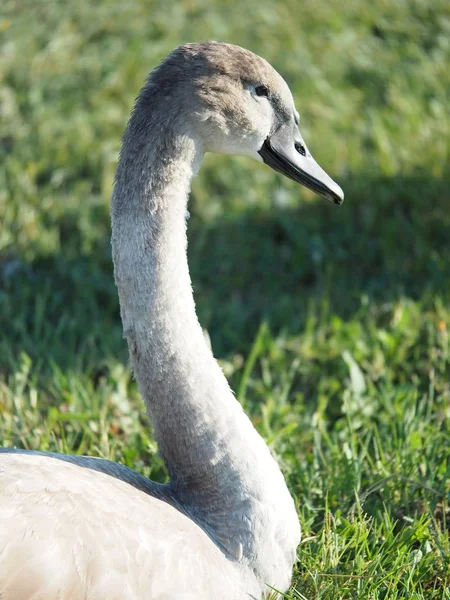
<point>221,471</point>
<point>181,383</point>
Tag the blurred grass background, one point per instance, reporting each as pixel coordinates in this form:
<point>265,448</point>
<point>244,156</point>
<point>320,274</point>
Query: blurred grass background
<point>331,324</point>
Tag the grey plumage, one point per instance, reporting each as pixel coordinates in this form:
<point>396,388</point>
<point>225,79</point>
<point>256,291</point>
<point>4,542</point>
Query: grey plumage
<point>225,525</point>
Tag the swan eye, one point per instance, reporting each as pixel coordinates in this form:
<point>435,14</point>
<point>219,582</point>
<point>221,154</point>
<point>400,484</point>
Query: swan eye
<point>300,148</point>
<point>262,90</point>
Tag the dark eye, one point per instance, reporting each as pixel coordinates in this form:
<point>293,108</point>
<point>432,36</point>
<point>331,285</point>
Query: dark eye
<point>262,90</point>
<point>300,148</point>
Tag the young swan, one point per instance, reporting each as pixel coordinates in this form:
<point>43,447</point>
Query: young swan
<point>225,526</point>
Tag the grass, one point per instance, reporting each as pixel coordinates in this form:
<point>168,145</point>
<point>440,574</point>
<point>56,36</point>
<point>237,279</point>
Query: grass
<point>332,325</point>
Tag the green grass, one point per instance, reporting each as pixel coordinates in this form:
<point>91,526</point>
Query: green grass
<point>332,324</point>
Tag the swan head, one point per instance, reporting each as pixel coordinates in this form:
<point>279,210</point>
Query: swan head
<point>236,103</point>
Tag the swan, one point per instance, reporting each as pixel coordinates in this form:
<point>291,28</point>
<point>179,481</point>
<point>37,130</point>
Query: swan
<point>225,526</point>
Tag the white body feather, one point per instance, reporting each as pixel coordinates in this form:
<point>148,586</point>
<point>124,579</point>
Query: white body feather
<point>69,533</point>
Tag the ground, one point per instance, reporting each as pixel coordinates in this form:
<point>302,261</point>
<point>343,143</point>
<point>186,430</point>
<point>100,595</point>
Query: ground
<point>332,324</point>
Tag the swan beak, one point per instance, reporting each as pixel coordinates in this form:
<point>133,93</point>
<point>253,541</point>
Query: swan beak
<point>286,152</point>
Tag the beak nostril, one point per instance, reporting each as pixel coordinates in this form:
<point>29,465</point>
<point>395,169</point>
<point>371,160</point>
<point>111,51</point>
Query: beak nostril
<point>300,148</point>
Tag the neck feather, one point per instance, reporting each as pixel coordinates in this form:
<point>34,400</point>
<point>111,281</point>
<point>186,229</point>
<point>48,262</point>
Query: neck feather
<point>220,468</point>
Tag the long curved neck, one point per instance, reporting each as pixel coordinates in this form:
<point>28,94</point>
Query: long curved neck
<point>218,464</point>
<point>181,383</point>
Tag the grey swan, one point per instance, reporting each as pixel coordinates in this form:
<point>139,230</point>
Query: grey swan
<point>225,526</point>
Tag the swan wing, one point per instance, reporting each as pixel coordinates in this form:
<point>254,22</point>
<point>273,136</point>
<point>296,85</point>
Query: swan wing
<point>69,533</point>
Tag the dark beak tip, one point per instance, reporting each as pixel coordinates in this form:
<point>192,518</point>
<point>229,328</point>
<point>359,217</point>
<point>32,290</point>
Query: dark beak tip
<point>331,196</point>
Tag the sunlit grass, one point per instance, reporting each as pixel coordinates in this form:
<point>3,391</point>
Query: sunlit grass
<point>332,324</point>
